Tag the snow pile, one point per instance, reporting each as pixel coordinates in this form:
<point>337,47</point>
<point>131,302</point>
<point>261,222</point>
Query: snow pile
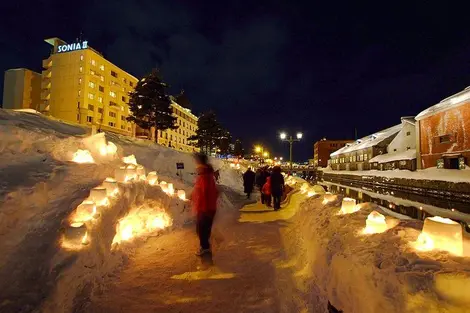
<point>431,173</point>
<point>397,156</point>
<point>380,272</point>
<point>44,256</point>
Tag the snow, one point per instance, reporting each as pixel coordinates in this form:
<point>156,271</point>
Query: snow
<point>432,173</point>
<point>446,104</point>
<point>405,139</point>
<point>41,187</point>
<point>369,141</point>
<point>397,156</point>
<point>371,273</point>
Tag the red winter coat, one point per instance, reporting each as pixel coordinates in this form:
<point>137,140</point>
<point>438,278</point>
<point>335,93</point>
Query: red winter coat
<point>267,187</point>
<point>204,196</point>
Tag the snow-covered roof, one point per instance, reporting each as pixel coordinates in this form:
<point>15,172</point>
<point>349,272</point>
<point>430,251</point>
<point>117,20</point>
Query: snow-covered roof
<point>446,104</point>
<point>369,141</point>
<point>397,156</point>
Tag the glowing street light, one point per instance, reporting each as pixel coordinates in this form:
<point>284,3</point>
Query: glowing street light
<point>258,149</point>
<point>290,140</point>
<point>265,154</point>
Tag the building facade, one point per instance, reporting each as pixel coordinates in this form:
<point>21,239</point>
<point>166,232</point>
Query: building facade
<point>21,89</point>
<point>401,152</point>
<point>323,148</point>
<point>444,133</point>
<point>356,156</point>
<point>79,85</point>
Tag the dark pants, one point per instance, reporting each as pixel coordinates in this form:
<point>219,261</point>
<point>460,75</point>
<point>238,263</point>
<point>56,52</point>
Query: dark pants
<point>277,200</point>
<point>266,199</point>
<point>203,229</point>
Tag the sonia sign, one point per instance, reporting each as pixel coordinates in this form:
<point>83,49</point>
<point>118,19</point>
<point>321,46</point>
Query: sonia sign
<point>72,46</point>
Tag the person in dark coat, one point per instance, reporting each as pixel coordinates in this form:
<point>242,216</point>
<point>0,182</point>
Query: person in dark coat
<point>248,182</point>
<point>277,187</point>
<point>261,181</point>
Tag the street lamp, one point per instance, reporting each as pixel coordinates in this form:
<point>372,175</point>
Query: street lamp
<point>290,140</point>
<point>265,154</point>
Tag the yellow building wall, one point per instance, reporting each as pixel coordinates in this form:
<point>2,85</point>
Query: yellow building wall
<point>83,87</point>
<point>22,88</point>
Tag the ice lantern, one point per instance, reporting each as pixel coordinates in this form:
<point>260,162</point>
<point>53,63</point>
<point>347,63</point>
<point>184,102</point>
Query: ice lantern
<point>99,195</point>
<point>111,186</point>
<point>120,174</point>
<point>348,206</point>
<point>164,186</point>
<point>441,234</point>
<point>131,173</point>
<point>152,178</point>
<point>375,223</point>
<point>84,212</point>
<point>171,189</point>
<point>141,172</point>
<point>327,197</point>
<point>181,194</point>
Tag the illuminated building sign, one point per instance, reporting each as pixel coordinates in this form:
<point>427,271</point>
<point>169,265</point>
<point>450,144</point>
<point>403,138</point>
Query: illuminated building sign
<point>72,47</point>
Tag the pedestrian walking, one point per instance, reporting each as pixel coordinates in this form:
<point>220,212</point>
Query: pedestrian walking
<point>248,182</point>
<point>204,201</point>
<point>266,192</point>
<point>277,187</point>
<point>261,180</point>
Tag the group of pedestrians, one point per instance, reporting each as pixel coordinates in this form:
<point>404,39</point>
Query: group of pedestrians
<point>269,182</point>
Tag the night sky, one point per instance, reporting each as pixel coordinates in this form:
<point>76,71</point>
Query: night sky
<point>321,67</point>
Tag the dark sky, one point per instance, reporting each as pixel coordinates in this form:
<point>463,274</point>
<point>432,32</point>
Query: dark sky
<point>321,67</point>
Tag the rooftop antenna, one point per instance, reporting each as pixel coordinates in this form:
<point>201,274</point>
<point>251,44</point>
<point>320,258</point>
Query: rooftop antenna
<point>355,133</point>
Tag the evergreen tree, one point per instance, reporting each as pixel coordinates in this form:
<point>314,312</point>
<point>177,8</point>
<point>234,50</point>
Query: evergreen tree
<point>224,142</point>
<point>238,149</point>
<point>208,134</point>
<point>150,105</point>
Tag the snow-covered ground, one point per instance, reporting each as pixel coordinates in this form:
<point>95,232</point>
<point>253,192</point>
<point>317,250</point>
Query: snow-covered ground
<point>41,188</point>
<point>380,272</point>
<point>427,174</point>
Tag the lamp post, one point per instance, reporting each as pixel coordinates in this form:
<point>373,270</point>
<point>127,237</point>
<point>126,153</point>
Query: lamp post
<point>290,140</point>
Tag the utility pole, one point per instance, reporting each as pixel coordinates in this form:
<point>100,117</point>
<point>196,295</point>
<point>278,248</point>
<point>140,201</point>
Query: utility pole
<point>291,141</point>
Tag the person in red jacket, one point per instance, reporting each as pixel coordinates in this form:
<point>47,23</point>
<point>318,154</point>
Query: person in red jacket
<point>266,192</point>
<point>204,201</point>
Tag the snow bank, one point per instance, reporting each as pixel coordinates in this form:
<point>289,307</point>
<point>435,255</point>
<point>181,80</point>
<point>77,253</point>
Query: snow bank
<point>42,187</point>
<point>398,156</point>
<point>372,273</point>
<point>427,174</point>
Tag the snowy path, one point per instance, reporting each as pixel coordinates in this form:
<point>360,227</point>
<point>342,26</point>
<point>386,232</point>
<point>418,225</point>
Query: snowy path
<point>247,275</point>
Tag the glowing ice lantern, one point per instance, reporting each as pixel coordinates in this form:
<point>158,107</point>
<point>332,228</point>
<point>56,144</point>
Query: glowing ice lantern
<point>84,212</point>
<point>441,234</point>
<point>120,174</point>
<point>181,194</point>
<point>152,178</point>
<point>311,193</point>
<point>99,195</point>
<point>130,159</point>
<point>141,172</point>
<point>375,223</point>
<point>171,189</point>
<point>164,186</point>
<point>82,156</point>
<point>304,188</point>
<point>327,197</point>
<point>348,206</point>
<point>131,173</point>
<point>111,186</point>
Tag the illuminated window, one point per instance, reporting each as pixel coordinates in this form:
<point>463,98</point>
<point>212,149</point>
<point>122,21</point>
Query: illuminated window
<point>112,94</point>
<point>79,92</point>
<point>93,62</point>
<point>102,78</point>
<point>81,57</point>
<point>92,72</point>
<point>80,80</point>
<point>80,69</point>
<point>91,84</point>
<point>100,99</point>
<point>102,67</point>
<point>101,88</point>
<point>89,119</point>
<point>91,96</point>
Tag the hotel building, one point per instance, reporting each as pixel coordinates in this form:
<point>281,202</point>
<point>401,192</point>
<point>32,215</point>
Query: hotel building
<point>80,85</point>
<point>22,89</point>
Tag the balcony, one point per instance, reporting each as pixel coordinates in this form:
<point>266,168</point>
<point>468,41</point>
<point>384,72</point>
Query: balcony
<point>47,73</point>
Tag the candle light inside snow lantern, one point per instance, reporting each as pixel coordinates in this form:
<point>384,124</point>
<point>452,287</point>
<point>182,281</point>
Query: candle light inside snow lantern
<point>441,234</point>
<point>84,212</point>
<point>375,223</point>
<point>131,173</point>
<point>348,206</point>
<point>181,194</point>
<point>141,172</point>
<point>327,197</point>
<point>311,193</point>
<point>99,195</point>
<point>171,189</point>
<point>164,186</point>
<point>152,178</point>
<point>120,174</point>
<point>111,186</point>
